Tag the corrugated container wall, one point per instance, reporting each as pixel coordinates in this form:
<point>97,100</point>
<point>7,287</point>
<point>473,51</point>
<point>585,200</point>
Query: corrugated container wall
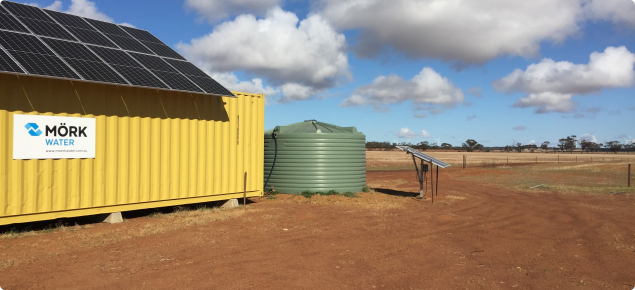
<point>316,156</point>
<point>154,148</point>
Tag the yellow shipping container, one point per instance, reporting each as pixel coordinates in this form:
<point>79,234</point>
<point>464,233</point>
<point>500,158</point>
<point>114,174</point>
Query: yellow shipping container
<point>154,148</point>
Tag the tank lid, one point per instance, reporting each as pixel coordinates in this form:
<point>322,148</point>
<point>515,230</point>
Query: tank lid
<point>313,126</point>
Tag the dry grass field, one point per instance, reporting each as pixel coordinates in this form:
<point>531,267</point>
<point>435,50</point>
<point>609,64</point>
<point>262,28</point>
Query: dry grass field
<point>381,160</point>
<point>487,229</point>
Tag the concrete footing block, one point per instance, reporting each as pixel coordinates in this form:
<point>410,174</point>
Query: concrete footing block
<point>111,218</point>
<point>232,203</point>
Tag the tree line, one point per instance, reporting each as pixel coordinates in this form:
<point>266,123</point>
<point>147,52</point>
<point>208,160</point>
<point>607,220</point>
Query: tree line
<point>567,144</point>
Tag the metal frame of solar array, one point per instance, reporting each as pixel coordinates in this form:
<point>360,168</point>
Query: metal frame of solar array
<point>424,157</point>
<point>36,41</point>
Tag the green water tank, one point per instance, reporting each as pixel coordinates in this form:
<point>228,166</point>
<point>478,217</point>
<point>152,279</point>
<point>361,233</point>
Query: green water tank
<point>316,156</point>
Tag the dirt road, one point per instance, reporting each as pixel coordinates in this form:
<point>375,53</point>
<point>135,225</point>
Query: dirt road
<point>474,236</point>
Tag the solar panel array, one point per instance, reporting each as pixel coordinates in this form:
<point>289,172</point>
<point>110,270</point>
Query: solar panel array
<point>424,157</point>
<point>42,42</point>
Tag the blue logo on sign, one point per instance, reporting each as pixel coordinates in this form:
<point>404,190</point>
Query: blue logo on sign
<point>33,129</point>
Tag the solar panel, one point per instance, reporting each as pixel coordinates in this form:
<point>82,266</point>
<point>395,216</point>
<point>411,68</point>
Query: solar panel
<point>7,64</point>
<point>177,81</point>
<point>46,28</point>
<point>186,68</point>
<point>108,28</point>
<point>129,44</point>
<point>114,56</point>
<point>26,11</point>
<point>139,76</point>
<point>69,20</point>
<point>56,44</point>
<point>141,34</point>
<point>162,50</point>
<point>153,62</point>
<point>95,71</point>
<point>8,22</point>
<point>71,49</point>
<point>424,157</point>
<point>45,65</point>
<point>90,36</point>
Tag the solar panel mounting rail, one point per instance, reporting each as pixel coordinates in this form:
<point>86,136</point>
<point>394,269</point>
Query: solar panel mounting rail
<point>45,43</point>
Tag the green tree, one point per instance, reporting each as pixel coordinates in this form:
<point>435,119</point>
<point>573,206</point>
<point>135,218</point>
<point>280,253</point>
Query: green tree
<point>567,144</point>
<point>446,146</point>
<point>545,145</point>
<point>519,147</point>
<point>614,146</point>
<point>469,145</point>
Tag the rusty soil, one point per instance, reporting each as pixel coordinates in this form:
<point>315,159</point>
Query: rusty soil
<point>476,235</point>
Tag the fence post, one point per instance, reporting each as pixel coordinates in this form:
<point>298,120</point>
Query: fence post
<point>245,191</point>
<point>536,159</point>
<point>629,175</point>
<point>576,159</point>
<point>558,158</point>
<point>507,161</point>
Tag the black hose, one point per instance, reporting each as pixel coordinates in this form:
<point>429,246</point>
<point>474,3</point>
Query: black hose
<point>275,156</point>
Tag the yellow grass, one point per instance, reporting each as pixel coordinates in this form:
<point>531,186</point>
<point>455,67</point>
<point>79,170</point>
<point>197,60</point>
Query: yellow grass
<point>391,160</point>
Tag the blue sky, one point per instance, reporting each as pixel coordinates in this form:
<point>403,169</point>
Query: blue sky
<point>495,71</point>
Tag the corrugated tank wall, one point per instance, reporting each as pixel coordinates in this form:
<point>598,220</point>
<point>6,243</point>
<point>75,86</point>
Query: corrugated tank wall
<point>153,148</point>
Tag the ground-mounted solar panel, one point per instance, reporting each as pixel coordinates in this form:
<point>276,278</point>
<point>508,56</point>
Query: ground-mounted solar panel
<point>42,42</point>
<point>423,156</point>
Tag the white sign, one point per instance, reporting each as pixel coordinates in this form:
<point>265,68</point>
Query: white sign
<point>52,137</point>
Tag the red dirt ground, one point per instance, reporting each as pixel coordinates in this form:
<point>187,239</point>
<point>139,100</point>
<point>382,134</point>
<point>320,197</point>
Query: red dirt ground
<point>474,236</point>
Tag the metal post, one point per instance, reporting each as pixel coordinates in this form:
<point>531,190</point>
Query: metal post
<point>558,158</point>
<point>245,191</point>
<point>507,161</point>
<point>576,159</point>
<point>431,181</point>
<point>536,159</point>
<point>437,189</point>
<point>629,175</point>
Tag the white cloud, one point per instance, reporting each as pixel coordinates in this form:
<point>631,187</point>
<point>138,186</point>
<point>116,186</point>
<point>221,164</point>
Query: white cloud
<point>255,86</point>
<point>621,12</point>
<point>425,134</point>
<point>427,91</point>
<point>588,137</point>
<point>612,68</point>
<point>88,9</point>
<point>82,8</point>
<point>465,30</point>
<point>406,133</point>
<point>303,58</point>
<point>214,10</point>
<point>57,6</point>
<point>547,102</point>
<point>550,85</point>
